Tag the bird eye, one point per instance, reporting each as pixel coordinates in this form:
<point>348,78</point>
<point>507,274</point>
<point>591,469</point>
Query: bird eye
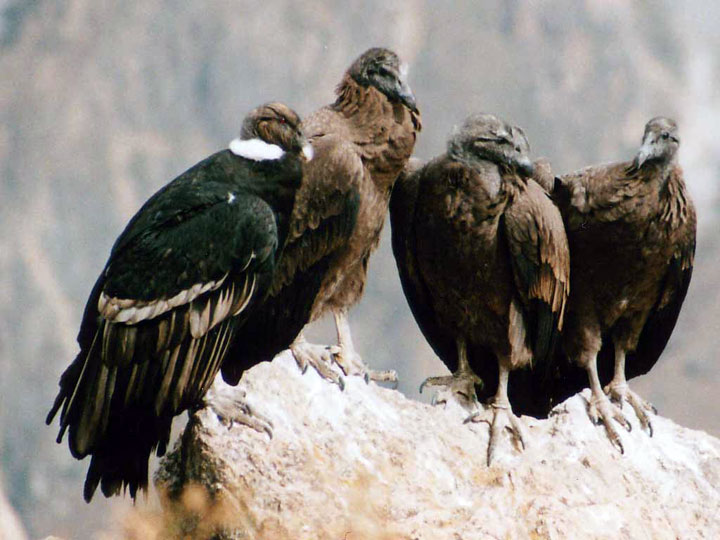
<point>665,135</point>
<point>384,72</point>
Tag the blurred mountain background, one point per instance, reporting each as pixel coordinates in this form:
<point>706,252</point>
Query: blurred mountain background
<point>101,103</point>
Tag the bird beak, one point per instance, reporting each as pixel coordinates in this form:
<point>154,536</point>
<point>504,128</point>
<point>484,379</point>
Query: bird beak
<point>643,154</point>
<point>526,167</point>
<point>406,96</point>
<point>306,149</point>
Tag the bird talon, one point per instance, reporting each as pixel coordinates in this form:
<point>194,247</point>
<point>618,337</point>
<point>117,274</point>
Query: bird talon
<point>474,418</point>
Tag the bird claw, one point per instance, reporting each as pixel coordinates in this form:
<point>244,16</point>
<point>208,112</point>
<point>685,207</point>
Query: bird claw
<point>460,384</point>
<point>600,410</point>
<point>232,409</point>
<point>320,357</point>
<point>503,418</point>
<point>619,392</point>
<point>351,363</point>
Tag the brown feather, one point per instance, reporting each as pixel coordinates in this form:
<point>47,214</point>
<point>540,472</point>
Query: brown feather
<point>361,145</point>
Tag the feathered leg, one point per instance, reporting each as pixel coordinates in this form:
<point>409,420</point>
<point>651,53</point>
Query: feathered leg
<point>619,391</point>
<point>461,384</point>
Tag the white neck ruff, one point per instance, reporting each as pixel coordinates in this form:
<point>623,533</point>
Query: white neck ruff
<point>255,149</point>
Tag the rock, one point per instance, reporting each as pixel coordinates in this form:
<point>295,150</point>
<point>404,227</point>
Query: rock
<point>10,526</point>
<point>369,463</point>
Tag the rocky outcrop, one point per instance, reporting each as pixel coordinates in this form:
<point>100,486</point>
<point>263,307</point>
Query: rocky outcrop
<point>367,462</point>
<point>10,526</point>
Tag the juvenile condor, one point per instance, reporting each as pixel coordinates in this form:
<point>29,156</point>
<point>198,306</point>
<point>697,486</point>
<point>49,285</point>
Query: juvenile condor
<point>483,261</point>
<point>361,144</point>
<point>195,262</point>
<point>631,228</point>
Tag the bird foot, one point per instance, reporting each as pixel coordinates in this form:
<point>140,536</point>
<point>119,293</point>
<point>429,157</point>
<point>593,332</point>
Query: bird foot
<point>503,418</point>
<point>231,408</point>
<point>461,385</point>
<point>619,392</point>
<point>320,357</point>
<point>602,411</point>
<point>352,364</point>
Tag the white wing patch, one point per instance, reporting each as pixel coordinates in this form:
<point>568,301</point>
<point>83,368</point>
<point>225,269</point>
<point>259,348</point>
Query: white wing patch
<point>132,311</point>
<point>255,149</point>
<point>202,319</point>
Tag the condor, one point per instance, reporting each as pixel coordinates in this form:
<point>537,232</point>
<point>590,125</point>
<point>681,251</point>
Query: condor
<point>195,262</point>
<point>483,261</point>
<point>362,142</point>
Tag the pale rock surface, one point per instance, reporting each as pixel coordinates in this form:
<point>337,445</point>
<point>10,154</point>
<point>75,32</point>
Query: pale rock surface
<point>369,463</point>
<point>10,526</point>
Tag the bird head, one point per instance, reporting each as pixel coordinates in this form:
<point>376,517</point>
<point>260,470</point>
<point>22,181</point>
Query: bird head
<point>382,69</point>
<point>269,131</point>
<point>484,136</point>
<point>660,141</point>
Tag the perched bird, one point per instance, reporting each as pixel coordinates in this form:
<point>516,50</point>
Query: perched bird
<point>483,261</point>
<point>631,228</point>
<point>195,262</point>
<point>361,143</point>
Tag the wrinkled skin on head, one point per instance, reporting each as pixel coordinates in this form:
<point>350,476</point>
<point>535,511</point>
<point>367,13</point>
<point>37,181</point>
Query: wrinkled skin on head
<point>660,141</point>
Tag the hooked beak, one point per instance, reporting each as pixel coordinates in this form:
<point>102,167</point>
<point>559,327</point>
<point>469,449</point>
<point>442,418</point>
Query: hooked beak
<point>643,154</point>
<point>406,96</point>
<point>306,149</point>
<point>525,166</point>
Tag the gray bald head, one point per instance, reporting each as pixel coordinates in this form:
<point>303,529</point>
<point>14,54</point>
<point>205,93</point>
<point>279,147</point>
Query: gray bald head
<point>484,136</point>
<point>660,141</point>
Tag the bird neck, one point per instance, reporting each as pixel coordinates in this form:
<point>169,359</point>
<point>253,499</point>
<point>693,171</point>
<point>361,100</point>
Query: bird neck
<point>674,199</point>
<point>383,132</point>
<point>658,167</point>
<point>361,105</point>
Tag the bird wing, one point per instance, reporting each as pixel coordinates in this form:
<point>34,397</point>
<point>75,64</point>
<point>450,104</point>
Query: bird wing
<point>324,218</point>
<point>661,320</point>
<point>403,237</point>
<point>540,260</point>
<point>326,206</point>
<point>159,320</point>
<point>599,193</point>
